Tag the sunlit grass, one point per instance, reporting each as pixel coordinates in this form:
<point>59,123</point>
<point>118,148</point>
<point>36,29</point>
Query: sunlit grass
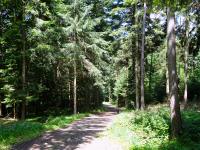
<point>149,130</point>
<point>12,132</point>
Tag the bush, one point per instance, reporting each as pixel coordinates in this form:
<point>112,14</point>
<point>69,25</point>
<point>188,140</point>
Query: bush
<point>149,129</point>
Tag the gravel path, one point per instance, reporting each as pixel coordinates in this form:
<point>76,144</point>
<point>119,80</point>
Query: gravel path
<point>80,135</point>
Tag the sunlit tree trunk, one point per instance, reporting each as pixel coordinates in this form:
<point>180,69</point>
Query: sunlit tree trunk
<point>137,79</point>
<point>173,87</point>
<point>0,108</point>
<point>133,49</point>
<point>109,93</point>
<point>142,58</point>
<point>166,65</point>
<point>167,81</point>
<point>1,49</point>
<point>75,88</point>
<point>14,111</point>
<point>150,73</point>
<point>126,99</point>
<point>69,89</point>
<point>186,62</point>
<point>137,67</point>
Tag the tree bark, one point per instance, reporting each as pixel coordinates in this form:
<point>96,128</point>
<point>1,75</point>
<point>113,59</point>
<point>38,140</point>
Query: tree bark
<point>1,48</point>
<point>186,61</point>
<point>75,88</point>
<point>137,68</point>
<point>167,81</point>
<point>142,58</point>
<point>23,111</point>
<point>14,111</point>
<point>109,93</point>
<point>173,87</point>
<point>166,66</point>
<point>0,108</point>
<point>150,75</point>
<point>126,99</point>
<point>69,90</point>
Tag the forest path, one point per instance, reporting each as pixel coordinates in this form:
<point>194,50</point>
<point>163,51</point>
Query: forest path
<point>80,135</point>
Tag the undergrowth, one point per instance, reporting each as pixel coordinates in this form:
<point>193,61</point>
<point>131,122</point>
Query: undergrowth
<point>149,130</point>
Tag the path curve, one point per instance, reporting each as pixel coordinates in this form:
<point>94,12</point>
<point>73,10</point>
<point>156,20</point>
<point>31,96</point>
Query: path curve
<point>80,135</point>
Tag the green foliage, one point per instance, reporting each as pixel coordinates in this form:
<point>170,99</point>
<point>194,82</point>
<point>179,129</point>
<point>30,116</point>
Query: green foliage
<point>121,83</point>
<point>149,129</point>
<point>18,132</point>
<point>56,122</point>
<point>154,120</point>
<point>47,30</point>
<point>130,2</point>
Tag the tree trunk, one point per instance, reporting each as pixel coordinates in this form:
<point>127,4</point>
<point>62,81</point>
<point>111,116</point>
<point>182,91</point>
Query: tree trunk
<point>137,68</point>
<point>166,66</point>
<point>142,58</point>
<point>75,88</point>
<point>173,87</point>
<point>1,48</point>
<point>167,81</point>
<point>126,99</point>
<point>150,73</point>
<point>0,108</point>
<point>69,90</point>
<point>186,61</point>
<point>137,80</point>
<point>109,93</point>
<point>14,111</point>
<point>23,111</point>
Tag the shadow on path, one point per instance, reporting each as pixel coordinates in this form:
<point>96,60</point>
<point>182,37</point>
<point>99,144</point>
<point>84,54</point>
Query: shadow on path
<point>69,138</point>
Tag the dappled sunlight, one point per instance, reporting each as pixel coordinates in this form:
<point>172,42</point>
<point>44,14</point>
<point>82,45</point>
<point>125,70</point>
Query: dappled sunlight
<point>80,132</point>
<point>4,121</point>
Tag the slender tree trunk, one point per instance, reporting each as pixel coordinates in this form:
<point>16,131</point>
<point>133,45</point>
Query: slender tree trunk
<point>142,58</point>
<point>75,88</point>
<point>1,46</point>
<point>0,108</point>
<point>150,73</point>
<point>109,93</point>
<point>126,99</point>
<point>186,62</point>
<point>14,111</point>
<point>173,87</point>
<point>23,111</point>
<point>137,81</point>
<point>133,49</point>
<point>166,66</point>
<point>117,97</point>
<point>23,81</point>
<point>69,90</point>
<point>167,81</point>
<point>137,68</point>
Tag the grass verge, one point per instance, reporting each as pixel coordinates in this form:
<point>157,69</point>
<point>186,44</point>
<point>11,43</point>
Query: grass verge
<point>149,130</point>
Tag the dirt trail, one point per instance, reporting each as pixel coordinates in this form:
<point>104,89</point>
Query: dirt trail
<point>80,135</point>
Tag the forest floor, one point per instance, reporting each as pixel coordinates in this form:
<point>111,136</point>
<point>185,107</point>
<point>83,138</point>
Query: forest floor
<point>84,134</point>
